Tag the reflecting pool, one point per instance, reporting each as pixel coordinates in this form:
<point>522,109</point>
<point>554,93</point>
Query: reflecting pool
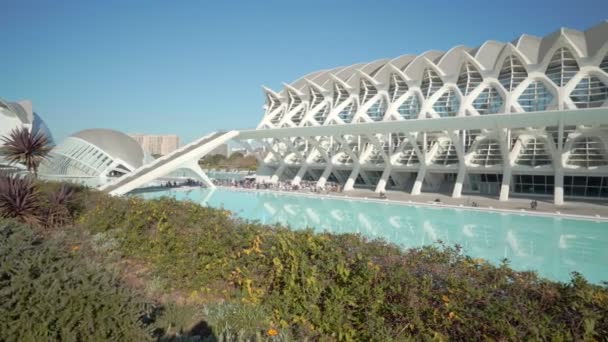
<point>554,247</point>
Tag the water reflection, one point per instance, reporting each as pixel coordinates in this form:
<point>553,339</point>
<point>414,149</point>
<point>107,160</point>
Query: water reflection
<point>553,247</point>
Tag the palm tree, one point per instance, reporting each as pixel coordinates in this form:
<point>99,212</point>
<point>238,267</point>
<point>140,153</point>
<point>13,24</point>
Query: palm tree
<point>25,147</point>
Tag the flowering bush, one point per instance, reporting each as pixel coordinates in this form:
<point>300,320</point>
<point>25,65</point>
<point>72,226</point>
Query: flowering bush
<point>343,286</point>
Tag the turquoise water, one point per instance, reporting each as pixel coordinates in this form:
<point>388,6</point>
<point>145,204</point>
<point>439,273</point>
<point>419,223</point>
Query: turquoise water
<point>554,247</point>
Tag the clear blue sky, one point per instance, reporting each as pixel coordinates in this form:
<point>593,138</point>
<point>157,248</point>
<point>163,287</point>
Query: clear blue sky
<point>190,67</point>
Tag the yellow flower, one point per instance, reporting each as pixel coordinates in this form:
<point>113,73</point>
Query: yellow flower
<point>75,248</point>
<point>272,332</point>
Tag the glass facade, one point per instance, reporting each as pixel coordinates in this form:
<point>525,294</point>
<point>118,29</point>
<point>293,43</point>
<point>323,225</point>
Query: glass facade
<point>431,82</point>
<point>533,153</point>
<point>487,153</point>
<point>410,108</point>
<point>512,73</point>
<point>489,101</point>
<point>562,67</point>
<point>536,97</point>
<point>448,104</point>
<point>590,92</point>
<point>397,87</point>
<point>376,111</point>
<point>468,79</point>
<point>587,152</point>
<point>586,186</point>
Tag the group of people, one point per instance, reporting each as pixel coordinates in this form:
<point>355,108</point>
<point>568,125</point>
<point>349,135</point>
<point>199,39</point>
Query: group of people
<point>175,184</point>
<point>248,183</point>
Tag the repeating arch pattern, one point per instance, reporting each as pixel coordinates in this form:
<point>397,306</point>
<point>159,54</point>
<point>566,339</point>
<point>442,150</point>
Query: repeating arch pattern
<point>567,70</point>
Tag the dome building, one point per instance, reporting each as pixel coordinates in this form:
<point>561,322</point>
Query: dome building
<point>92,157</point>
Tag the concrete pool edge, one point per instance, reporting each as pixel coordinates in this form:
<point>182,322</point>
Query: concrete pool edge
<point>596,219</point>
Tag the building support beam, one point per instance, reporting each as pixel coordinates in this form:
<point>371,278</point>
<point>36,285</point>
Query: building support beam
<point>457,192</point>
<point>323,179</point>
<point>199,172</point>
<point>417,188</point>
<point>506,184</point>
<point>558,189</point>
<point>301,172</point>
<point>277,175</point>
<point>352,178</point>
<point>381,187</point>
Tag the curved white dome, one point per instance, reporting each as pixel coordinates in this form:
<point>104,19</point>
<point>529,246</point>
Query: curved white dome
<point>116,144</point>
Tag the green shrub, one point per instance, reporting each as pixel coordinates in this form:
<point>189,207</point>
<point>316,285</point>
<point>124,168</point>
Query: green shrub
<point>50,293</point>
<point>344,287</point>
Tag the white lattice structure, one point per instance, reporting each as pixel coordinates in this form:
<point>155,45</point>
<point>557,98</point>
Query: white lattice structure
<point>566,71</point>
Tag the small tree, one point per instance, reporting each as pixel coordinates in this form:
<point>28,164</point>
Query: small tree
<point>25,147</point>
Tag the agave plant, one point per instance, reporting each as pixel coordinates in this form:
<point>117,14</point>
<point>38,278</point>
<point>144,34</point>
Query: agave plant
<point>19,199</point>
<point>25,147</point>
<point>57,212</point>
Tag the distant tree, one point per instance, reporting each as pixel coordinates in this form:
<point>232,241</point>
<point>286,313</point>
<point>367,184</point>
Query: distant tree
<point>25,147</point>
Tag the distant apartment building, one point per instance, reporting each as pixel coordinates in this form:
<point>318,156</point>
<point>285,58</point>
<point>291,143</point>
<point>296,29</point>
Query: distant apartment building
<point>157,144</point>
<point>223,149</point>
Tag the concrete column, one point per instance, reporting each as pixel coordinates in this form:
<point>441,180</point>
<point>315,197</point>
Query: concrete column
<point>350,182</point>
<point>296,180</point>
<point>419,180</point>
<point>275,177</point>
<point>203,176</point>
<point>558,190</point>
<point>383,179</point>
<point>324,176</point>
<point>457,192</point>
<point>506,184</point>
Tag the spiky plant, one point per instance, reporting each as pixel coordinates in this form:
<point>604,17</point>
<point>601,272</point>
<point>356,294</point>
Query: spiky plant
<point>19,199</point>
<point>25,147</point>
<point>57,211</point>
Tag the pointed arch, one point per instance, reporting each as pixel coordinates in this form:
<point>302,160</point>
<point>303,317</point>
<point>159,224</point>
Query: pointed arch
<point>512,72</point>
<point>431,82</point>
<point>562,66</point>
<point>397,87</point>
<point>468,79</point>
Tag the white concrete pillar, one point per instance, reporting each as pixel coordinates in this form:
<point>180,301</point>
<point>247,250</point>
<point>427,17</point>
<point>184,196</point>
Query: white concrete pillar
<point>324,176</point>
<point>383,179</point>
<point>506,184</point>
<point>457,192</point>
<point>352,178</point>
<point>276,176</point>
<point>558,190</point>
<point>296,180</point>
<point>419,180</point>
<point>202,175</point>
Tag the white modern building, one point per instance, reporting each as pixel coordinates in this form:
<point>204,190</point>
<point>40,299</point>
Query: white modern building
<point>93,157</point>
<point>157,145</point>
<point>528,117</point>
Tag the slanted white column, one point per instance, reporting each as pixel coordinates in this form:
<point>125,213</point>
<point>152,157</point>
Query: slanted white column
<point>296,180</point>
<point>419,180</point>
<point>457,192</point>
<point>383,179</point>
<point>506,184</point>
<point>558,189</point>
<point>199,172</point>
<point>275,177</point>
<point>350,183</point>
<point>324,176</point>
